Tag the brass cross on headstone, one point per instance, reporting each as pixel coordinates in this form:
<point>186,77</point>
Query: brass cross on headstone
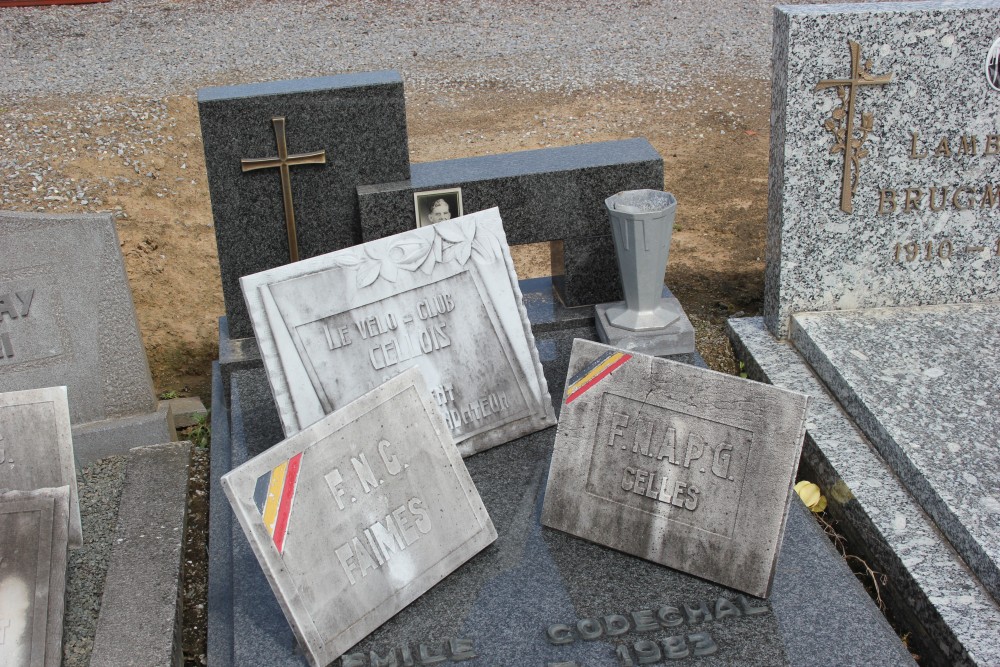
<point>860,76</point>
<point>283,162</point>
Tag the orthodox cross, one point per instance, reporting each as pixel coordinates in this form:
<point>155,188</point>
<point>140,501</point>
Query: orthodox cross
<point>283,162</point>
<point>841,124</point>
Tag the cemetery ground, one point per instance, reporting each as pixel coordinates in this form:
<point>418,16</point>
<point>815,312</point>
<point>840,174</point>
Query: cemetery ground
<point>143,159</point>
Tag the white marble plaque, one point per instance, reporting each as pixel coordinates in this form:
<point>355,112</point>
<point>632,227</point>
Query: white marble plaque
<point>33,540</point>
<point>443,298</point>
<point>359,514</point>
<point>676,464</point>
<point>36,447</point>
<point>907,211</point>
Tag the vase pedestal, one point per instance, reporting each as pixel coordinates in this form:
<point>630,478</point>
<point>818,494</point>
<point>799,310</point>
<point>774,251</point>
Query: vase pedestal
<point>675,338</point>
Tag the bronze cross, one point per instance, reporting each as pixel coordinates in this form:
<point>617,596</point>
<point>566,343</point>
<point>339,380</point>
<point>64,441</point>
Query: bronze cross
<point>860,76</point>
<point>283,162</point>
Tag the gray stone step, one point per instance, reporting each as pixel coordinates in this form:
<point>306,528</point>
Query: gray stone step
<point>931,589</point>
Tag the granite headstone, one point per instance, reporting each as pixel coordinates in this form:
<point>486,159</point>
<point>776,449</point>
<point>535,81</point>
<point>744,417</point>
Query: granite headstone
<point>885,157</point>
<point>683,466</point>
<point>33,542</point>
<point>36,447</point>
<point>358,515</point>
<point>295,149</point>
<point>443,297</point>
<point>550,194</point>
<point>67,318</point>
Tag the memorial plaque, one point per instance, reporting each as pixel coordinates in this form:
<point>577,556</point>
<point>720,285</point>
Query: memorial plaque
<point>444,298</point>
<point>680,465</point>
<point>36,447</point>
<point>885,157</point>
<point>359,514</point>
<point>33,540</point>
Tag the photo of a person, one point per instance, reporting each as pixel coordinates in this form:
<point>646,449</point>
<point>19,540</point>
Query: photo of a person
<point>993,65</point>
<point>435,206</point>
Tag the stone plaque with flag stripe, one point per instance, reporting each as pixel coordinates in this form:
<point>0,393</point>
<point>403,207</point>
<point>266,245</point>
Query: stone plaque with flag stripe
<point>356,516</point>
<point>676,464</point>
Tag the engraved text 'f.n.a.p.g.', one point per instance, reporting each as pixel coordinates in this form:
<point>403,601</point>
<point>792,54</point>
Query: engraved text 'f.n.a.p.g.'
<point>849,136</point>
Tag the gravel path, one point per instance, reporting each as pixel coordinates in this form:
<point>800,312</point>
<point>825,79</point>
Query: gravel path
<point>161,47</point>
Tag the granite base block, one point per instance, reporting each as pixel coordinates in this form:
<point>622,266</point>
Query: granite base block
<point>916,381</point>
<point>506,598</point>
<point>676,338</point>
<point>950,616</point>
<point>235,354</point>
<point>140,618</point>
<point>110,437</point>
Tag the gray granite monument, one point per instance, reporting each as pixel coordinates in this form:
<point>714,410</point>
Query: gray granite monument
<point>356,516</point>
<point>33,539</point>
<point>443,297</point>
<point>67,318</point>
<point>36,447</point>
<point>647,321</point>
<point>901,142</point>
<point>885,158</point>
<point>550,194</point>
<point>679,465</point>
<point>283,160</point>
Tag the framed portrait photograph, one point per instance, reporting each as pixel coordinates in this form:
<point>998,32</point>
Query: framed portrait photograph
<point>432,206</point>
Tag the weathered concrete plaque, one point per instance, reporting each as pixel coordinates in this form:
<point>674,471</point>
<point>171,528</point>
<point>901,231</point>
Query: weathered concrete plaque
<point>444,298</point>
<point>36,447</point>
<point>33,540</point>
<point>680,465</point>
<point>358,515</point>
<point>885,157</point>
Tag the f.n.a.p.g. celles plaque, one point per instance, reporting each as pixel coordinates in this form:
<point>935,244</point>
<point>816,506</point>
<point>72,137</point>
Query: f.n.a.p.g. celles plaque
<point>443,297</point>
<point>676,464</point>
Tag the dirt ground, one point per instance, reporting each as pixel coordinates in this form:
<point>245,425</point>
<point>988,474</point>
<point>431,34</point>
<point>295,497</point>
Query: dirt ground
<point>714,147</point>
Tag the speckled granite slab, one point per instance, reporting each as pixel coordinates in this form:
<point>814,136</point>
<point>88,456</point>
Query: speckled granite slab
<point>922,225</point>
<point>924,385</point>
<point>929,588</point>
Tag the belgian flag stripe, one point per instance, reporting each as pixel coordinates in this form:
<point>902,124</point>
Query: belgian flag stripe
<point>594,373</point>
<point>287,496</point>
<point>274,490</point>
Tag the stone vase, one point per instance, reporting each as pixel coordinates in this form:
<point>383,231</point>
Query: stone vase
<point>642,222</point>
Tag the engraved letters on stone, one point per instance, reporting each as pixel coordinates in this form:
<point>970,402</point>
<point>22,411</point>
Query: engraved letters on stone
<point>679,465</point>
<point>359,514</point>
<point>443,298</point>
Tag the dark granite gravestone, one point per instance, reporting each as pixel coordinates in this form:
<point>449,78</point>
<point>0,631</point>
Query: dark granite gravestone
<point>538,596</point>
<point>552,194</point>
<point>337,132</point>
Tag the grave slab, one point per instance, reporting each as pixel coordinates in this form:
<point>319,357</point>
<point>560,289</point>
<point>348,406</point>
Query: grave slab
<point>358,515</point>
<point>36,447</point>
<point>950,616</point>
<point>922,385</point>
<point>33,540</point>
<point>140,619</point>
<point>444,298</point>
<point>533,580</point>
<point>908,212</point>
<point>686,467</point>
<point>67,318</point>
<point>550,194</point>
<point>357,122</point>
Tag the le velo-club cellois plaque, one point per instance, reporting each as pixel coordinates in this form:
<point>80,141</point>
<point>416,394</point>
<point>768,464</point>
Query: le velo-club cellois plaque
<point>443,298</point>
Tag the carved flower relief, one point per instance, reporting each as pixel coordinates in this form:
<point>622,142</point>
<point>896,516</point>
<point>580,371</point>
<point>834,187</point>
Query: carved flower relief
<point>450,241</point>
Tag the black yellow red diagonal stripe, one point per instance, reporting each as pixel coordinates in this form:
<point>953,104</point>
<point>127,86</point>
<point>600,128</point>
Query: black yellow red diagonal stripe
<point>594,373</point>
